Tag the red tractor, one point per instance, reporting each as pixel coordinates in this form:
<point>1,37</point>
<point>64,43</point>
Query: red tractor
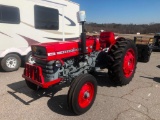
<point>75,61</point>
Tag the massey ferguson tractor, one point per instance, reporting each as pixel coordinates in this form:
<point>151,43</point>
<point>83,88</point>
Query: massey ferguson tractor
<point>76,61</point>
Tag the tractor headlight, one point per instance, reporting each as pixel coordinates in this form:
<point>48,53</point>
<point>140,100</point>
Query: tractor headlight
<point>58,64</point>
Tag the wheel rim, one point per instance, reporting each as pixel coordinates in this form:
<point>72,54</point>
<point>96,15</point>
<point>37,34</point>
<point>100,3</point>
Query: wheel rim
<point>86,95</point>
<point>11,62</point>
<point>129,63</point>
<point>31,59</point>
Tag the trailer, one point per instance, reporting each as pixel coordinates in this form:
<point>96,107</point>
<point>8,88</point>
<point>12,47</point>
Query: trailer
<point>156,42</point>
<point>27,22</point>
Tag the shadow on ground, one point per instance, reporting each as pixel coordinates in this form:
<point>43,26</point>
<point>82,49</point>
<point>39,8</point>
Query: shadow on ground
<point>158,66</point>
<point>21,87</point>
<point>58,103</point>
<point>103,79</point>
<point>156,79</point>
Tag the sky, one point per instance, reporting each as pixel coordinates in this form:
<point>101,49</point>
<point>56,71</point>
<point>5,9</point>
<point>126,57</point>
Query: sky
<point>121,11</point>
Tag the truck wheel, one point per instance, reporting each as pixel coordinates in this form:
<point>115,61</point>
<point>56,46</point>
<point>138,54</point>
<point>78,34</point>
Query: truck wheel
<point>29,58</point>
<point>11,62</point>
<point>82,93</point>
<point>32,86</point>
<point>124,53</point>
<point>145,55</point>
<point>146,58</point>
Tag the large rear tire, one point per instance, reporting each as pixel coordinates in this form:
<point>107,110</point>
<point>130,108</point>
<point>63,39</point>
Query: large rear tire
<point>82,93</point>
<point>122,68</point>
<point>10,62</point>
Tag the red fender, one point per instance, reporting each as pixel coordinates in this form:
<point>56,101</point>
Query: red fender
<point>107,39</point>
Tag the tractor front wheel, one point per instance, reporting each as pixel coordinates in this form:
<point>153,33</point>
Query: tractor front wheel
<point>32,86</point>
<point>82,93</point>
<point>122,68</point>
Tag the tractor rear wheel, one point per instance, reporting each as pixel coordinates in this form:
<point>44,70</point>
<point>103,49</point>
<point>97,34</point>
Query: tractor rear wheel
<point>82,93</point>
<point>124,54</point>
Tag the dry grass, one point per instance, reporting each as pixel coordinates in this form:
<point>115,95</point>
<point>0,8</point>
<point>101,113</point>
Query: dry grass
<point>128,36</point>
<point>141,39</point>
<point>131,36</point>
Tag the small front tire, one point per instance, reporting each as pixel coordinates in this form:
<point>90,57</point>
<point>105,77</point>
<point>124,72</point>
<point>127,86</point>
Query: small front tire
<point>82,93</point>
<point>32,86</point>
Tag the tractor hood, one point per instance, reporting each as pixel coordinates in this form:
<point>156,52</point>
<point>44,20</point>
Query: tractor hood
<point>65,49</point>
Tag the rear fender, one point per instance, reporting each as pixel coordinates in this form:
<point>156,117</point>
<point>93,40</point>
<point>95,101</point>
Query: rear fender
<point>117,39</point>
<point>106,39</point>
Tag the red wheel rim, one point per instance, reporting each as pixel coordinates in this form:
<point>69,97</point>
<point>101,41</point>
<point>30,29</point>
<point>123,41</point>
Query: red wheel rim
<point>129,63</point>
<point>86,95</point>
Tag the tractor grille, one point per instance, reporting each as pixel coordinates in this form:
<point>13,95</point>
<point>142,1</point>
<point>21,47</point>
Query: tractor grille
<point>41,71</point>
<point>48,69</point>
<point>34,73</point>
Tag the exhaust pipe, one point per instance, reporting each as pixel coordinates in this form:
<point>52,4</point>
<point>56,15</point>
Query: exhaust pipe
<point>82,20</point>
<point>83,40</point>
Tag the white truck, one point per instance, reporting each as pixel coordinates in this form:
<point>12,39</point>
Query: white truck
<point>27,22</point>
